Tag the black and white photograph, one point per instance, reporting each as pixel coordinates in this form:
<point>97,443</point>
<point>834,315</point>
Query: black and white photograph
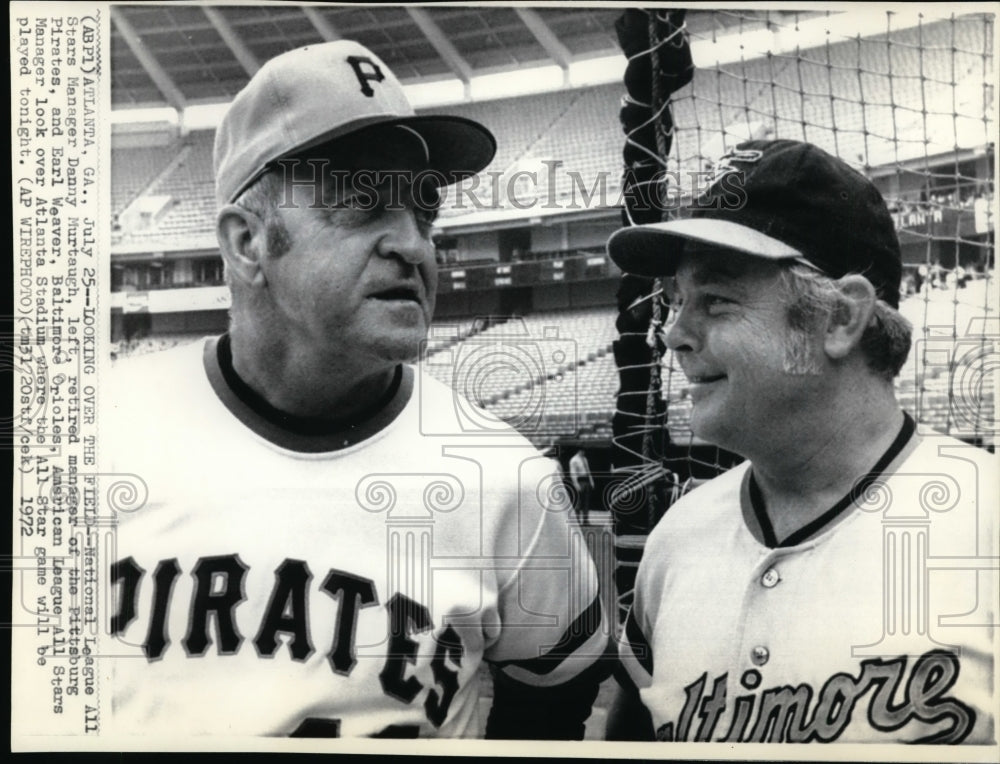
<point>564,380</point>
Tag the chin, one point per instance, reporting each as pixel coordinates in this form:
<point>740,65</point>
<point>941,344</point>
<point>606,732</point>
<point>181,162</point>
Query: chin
<point>713,431</point>
<point>398,349</point>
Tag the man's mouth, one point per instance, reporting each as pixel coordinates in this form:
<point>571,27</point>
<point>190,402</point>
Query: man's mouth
<point>700,385</point>
<point>405,294</point>
<point>705,379</point>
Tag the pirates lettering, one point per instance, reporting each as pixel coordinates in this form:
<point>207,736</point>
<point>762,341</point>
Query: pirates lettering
<point>219,589</point>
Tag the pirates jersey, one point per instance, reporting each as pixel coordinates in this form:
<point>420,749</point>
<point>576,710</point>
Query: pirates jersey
<point>347,582</point>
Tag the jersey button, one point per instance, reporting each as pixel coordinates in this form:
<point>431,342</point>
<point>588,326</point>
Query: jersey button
<point>760,655</point>
<point>770,578</point>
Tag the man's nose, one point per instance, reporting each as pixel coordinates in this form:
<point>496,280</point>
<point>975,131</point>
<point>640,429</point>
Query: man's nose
<point>405,238</point>
<point>681,334</point>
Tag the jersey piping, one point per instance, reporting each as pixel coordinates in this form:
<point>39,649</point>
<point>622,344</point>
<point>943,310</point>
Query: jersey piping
<point>815,526</point>
<point>576,636</point>
<point>305,435</point>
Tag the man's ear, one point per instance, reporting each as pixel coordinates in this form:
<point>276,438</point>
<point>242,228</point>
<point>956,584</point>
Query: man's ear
<point>242,240</point>
<point>850,317</point>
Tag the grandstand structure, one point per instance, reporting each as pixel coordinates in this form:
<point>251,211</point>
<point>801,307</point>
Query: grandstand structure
<point>526,302</point>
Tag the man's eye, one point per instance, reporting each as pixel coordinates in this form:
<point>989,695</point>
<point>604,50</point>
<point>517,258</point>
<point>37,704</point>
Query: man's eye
<point>357,202</point>
<point>355,205</point>
<point>425,216</point>
<point>356,210</point>
<point>715,301</point>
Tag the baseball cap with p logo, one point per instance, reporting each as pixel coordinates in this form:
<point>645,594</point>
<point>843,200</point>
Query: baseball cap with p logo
<point>315,95</point>
<point>779,200</point>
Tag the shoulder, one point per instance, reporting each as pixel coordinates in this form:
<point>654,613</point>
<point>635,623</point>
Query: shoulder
<point>153,405</point>
<point>703,508</point>
<point>939,470</point>
<point>446,422</point>
<point>935,448</point>
<point>447,412</point>
<point>702,519</point>
<point>156,381</point>
<point>950,483</point>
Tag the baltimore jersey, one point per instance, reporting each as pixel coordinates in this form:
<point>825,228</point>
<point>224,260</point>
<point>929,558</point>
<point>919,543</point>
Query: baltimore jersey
<point>877,627</point>
<point>330,581</point>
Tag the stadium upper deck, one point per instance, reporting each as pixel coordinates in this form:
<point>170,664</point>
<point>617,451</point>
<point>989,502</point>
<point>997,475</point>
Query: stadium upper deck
<point>913,107</point>
<point>886,102</point>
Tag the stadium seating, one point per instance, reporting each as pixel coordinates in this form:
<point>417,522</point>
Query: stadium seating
<point>141,346</point>
<point>553,372</point>
<point>133,169</point>
<point>875,113</point>
<point>950,397</point>
<point>861,99</point>
<point>521,122</point>
<point>872,100</point>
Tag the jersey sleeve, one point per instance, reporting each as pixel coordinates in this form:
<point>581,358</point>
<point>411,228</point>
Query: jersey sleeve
<point>553,626</point>
<point>635,647</point>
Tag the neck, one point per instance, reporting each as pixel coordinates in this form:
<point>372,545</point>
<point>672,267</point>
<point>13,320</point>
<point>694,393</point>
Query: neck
<point>801,480</point>
<point>304,384</point>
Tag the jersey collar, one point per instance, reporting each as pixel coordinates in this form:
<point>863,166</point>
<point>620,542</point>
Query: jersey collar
<point>302,434</point>
<point>760,523</point>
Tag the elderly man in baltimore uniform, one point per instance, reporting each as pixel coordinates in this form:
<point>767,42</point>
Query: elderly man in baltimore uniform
<point>322,551</point>
<point>826,588</point>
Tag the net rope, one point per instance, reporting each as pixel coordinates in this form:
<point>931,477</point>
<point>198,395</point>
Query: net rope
<point>907,99</point>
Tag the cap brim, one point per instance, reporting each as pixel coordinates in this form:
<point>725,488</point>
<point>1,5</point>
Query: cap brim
<point>457,147</point>
<point>654,249</point>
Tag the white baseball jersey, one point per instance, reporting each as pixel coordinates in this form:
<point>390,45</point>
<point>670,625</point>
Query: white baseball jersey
<point>874,627</point>
<point>347,582</point>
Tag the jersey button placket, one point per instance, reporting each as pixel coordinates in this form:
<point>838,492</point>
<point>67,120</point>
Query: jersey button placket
<point>770,578</point>
<point>760,655</point>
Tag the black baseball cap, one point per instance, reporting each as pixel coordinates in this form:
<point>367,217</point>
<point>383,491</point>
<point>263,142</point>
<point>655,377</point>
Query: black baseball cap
<point>780,200</point>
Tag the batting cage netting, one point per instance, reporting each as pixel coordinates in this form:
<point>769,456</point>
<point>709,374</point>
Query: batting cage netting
<point>906,98</point>
<point>529,324</point>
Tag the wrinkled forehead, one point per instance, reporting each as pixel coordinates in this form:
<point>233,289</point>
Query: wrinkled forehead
<point>701,264</point>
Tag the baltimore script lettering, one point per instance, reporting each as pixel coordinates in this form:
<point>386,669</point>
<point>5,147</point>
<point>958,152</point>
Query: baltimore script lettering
<point>802,715</point>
